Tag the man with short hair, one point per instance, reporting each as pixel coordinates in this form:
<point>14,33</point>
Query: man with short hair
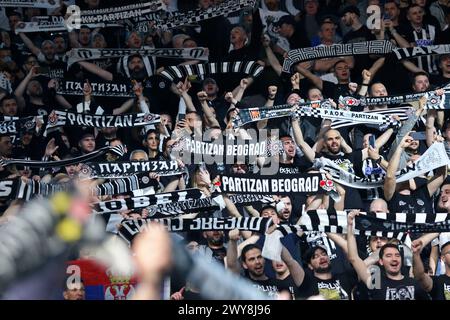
<point>74,291</point>
<point>86,143</point>
<point>8,106</point>
<point>391,284</point>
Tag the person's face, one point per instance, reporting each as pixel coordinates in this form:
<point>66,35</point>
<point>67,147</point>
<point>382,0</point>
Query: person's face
<point>445,64</point>
<point>237,35</point>
<point>320,262</point>
<point>205,4</point>
<point>4,53</point>
<point>378,90</point>
<point>6,147</point>
<point>421,84</point>
<point>60,45</point>
<point>87,144</point>
<point>189,44</point>
<point>342,71</point>
<point>84,36</point>
<point>392,10</point>
<point>254,262</point>
<point>152,141</point>
<point>99,42</point>
<point>214,237</point>
<point>72,170</point>
<point>391,261</point>
<point>414,145</point>
<point>49,51</point>
<point>415,15</point>
<point>285,29</point>
<point>327,31</point>
<point>26,138</point>
<point>31,62</point>
<point>211,88</point>
<point>366,140</point>
<point>288,146</point>
<point>444,197</point>
<point>378,206</point>
<point>13,20</point>
<point>9,107</point>
<point>139,156</point>
<point>293,99</point>
<point>272,5</point>
<point>239,168</point>
<point>193,120</point>
<point>34,88</point>
<point>75,292</point>
<point>314,95</point>
<point>279,266</point>
<point>136,64</point>
<point>270,213</point>
<point>445,255</point>
<point>421,3</point>
<point>377,242</point>
<point>287,210</point>
<point>347,19</point>
<point>333,141</point>
<point>311,7</point>
<point>134,40</point>
<point>6,39</point>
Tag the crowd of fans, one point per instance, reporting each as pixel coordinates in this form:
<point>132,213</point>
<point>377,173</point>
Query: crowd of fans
<point>33,67</point>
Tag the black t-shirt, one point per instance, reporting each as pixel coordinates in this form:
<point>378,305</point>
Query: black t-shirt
<point>405,289</point>
<point>441,288</point>
<point>270,287</point>
<point>339,287</point>
<point>418,201</point>
<point>290,284</point>
<point>333,91</point>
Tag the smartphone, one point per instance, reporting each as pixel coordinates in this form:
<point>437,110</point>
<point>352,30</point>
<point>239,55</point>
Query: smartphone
<point>181,116</point>
<point>372,141</point>
<point>386,16</point>
<point>418,135</point>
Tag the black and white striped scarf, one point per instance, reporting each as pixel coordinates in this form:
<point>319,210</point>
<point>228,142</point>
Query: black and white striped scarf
<point>130,228</point>
<point>82,54</point>
<point>16,125</point>
<point>434,157</point>
<point>46,4</point>
<point>390,225</point>
<point>124,169</point>
<point>118,150</point>
<point>99,89</point>
<point>336,50</point>
<point>167,20</point>
<point>251,68</point>
<point>146,201</point>
<point>63,118</point>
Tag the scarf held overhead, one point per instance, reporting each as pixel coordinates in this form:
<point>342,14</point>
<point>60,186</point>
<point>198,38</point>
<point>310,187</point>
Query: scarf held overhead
<point>276,184</point>
<point>124,169</point>
<point>118,150</point>
<point>99,89</point>
<point>46,4</point>
<point>82,54</point>
<point>130,228</point>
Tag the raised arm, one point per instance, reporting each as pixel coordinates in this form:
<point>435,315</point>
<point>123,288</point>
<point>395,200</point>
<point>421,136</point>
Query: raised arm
<point>211,118</point>
<point>390,180</point>
<point>315,80</point>
<point>357,263</point>
<point>296,271</point>
<point>20,90</point>
<point>124,107</point>
<point>232,251</point>
<point>298,137</point>
<point>271,58</point>
<point>93,68</point>
<point>420,275</point>
<point>30,45</point>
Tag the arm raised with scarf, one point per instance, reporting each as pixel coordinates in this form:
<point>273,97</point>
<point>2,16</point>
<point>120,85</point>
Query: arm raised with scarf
<point>210,117</point>
<point>296,271</point>
<point>405,129</point>
<point>298,136</point>
<point>390,182</point>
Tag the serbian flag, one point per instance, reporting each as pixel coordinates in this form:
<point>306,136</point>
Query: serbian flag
<point>102,283</point>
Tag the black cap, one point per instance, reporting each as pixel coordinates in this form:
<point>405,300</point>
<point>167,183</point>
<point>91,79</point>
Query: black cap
<point>311,251</point>
<point>351,9</point>
<point>85,133</point>
<point>285,19</point>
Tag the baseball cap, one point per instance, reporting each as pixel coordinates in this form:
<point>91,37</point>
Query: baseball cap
<point>208,81</point>
<point>351,9</point>
<point>311,251</point>
<point>288,19</point>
